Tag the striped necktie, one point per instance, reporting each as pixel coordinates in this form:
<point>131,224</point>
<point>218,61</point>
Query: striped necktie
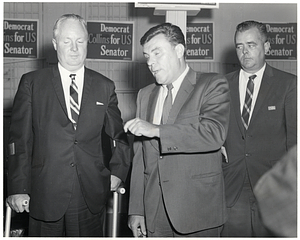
<point>167,104</point>
<point>248,101</point>
<point>74,104</point>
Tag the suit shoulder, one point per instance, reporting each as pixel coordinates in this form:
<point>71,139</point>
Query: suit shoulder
<point>41,72</point>
<point>210,78</point>
<point>98,76</point>
<point>37,77</point>
<point>231,75</point>
<point>283,75</point>
<point>148,88</point>
<point>211,75</point>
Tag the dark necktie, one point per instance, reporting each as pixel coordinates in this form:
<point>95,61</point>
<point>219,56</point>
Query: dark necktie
<point>248,101</point>
<point>167,104</point>
<point>74,105</point>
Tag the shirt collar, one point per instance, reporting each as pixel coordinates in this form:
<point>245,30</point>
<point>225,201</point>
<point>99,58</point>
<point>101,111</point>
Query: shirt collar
<point>258,74</point>
<point>177,83</point>
<point>64,72</point>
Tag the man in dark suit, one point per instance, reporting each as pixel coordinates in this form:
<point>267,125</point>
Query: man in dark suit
<point>177,186</point>
<point>262,127</point>
<point>56,159</point>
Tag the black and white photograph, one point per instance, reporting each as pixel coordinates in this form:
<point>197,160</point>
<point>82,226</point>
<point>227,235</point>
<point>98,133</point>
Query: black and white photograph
<point>150,119</point>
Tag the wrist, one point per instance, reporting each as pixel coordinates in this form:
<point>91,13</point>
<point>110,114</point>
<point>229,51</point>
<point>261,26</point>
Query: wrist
<point>157,133</point>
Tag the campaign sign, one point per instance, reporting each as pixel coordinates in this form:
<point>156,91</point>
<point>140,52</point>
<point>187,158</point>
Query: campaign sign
<point>110,40</point>
<point>20,38</point>
<point>283,41</point>
<point>199,41</point>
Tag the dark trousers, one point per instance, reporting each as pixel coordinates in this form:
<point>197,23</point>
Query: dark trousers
<point>78,221</point>
<point>243,218</point>
<point>164,228</point>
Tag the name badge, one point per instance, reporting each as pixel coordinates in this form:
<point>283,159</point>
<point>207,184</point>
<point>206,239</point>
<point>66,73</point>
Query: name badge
<point>12,150</point>
<point>271,108</point>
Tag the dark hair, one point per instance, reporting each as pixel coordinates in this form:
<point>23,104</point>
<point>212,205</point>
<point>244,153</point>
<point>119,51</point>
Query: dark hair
<point>65,17</point>
<point>172,33</point>
<point>244,26</point>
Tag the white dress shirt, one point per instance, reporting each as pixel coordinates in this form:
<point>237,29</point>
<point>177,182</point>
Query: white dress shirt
<point>163,91</point>
<point>243,80</point>
<point>66,83</point>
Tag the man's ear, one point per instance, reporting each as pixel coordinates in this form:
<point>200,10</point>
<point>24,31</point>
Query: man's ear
<point>54,44</point>
<point>267,46</point>
<point>179,50</point>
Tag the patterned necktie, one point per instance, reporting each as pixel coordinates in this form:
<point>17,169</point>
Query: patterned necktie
<point>74,105</point>
<point>167,104</point>
<point>248,101</point>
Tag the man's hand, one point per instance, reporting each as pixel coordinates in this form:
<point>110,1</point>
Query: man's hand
<point>114,183</point>
<point>137,225</point>
<point>139,127</point>
<point>19,202</point>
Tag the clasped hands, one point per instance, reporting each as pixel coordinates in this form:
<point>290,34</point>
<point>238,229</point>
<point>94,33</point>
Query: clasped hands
<point>139,127</point>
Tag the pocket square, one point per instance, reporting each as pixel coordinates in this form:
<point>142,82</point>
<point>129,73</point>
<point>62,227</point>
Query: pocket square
<point>99,103</point>
<point>271,108</point>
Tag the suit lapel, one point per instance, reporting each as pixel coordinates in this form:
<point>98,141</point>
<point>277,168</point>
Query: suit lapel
<point>150,112</point>
<point>152,103</point>
<point>187,86</point>
<point>263,92</point>
<point>86,89</point>
<point>56,81</point>
<point>235,99</point>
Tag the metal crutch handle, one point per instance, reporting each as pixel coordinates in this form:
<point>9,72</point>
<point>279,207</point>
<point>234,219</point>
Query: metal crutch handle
<point>120,190</point>
<point>7,220</point>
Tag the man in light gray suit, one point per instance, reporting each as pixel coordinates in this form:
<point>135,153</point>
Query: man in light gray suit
<point>177,186</point>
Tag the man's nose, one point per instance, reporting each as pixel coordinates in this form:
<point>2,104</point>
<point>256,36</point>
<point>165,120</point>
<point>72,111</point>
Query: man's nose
<point>74,47</point>
<point>150,62</point>
<point>245,50</point>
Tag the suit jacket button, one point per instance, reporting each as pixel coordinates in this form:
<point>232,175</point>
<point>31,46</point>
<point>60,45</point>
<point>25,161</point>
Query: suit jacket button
<point>75,142</point>
<point>72,164</point>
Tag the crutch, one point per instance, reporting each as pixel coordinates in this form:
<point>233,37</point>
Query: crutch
<point>116,194</point>
<point>8,218</point>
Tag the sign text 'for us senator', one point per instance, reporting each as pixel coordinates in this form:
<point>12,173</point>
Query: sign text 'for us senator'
<point>110,40</point>
<point>20,38</point>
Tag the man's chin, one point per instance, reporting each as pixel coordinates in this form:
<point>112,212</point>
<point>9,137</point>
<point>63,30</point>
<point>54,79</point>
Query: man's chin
<point>74,66</point>
<point>159,80</point>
